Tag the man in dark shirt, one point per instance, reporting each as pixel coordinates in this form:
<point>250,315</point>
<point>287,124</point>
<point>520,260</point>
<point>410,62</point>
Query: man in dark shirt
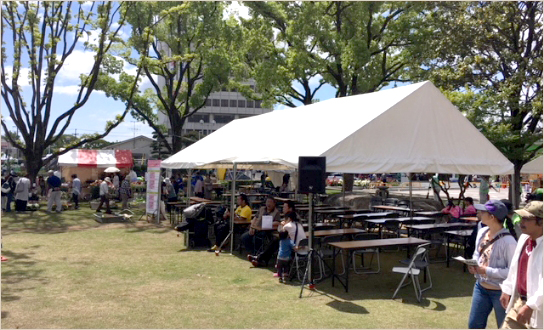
<point>54,184</point>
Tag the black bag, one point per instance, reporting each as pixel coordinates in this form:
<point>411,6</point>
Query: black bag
<point>201,233</point>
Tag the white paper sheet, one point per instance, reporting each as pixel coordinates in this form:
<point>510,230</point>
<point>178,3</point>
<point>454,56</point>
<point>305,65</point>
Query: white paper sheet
<point>267,221</point>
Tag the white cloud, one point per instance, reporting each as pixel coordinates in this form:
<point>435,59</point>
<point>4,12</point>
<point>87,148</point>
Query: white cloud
<point>23,80</point>
<point>73,90</point>
<point>87,4</point>
<point>79,62</point>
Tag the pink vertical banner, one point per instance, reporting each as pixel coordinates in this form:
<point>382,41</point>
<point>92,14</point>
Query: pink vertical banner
<point>153,184</point>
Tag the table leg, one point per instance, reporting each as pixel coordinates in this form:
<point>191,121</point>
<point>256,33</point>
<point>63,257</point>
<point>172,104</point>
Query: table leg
<point>448,250</point>
<point>348,264</point>
<point>333,264</point>
<point>465,241</point>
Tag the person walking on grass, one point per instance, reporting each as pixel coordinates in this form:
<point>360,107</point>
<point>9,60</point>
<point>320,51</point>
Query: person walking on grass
<point>76,190</point>
<point>522,290</point>
<point>104,198</point>
<point>494,250</point>
<point>54,184</point>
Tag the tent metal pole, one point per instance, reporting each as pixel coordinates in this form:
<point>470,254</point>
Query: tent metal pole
<point>343,191</point>
<point>410,187</point>
<point>232,192</point>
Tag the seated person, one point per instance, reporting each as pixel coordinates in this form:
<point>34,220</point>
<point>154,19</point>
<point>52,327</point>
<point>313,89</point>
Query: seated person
<point>453,210</point>
<point>254,230</point>
<point>469,210</point>
<point>243,211</point>
<point>292,226</point>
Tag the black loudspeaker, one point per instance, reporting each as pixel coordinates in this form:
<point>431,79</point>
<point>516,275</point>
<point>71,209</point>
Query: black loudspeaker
<point>311,175</point>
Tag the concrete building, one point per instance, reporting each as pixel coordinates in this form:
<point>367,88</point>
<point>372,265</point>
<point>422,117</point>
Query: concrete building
<point>140,146</point>
<point>221,108</point>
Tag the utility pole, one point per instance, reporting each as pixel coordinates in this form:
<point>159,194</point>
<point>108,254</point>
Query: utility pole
<point>134,135</point>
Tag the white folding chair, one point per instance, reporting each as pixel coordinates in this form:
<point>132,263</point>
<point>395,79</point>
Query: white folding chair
<point>420,256</point>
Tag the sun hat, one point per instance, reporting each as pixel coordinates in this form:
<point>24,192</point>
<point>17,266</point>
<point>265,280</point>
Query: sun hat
<point>531,210</point>
<point>495,207</point>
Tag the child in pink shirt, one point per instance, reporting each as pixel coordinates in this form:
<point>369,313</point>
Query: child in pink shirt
<point>453,210</point>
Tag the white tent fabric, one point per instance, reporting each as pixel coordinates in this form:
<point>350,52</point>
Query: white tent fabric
<point>412,128</point>
<point>533,167</point>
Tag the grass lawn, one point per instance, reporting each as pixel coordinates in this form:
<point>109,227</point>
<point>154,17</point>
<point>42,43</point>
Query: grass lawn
<point>68,271</point>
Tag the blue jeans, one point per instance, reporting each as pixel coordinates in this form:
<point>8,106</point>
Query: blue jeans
<point>483,301</point>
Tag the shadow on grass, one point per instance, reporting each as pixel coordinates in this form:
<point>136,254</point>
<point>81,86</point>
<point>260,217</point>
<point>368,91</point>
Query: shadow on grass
<point>19,274</point>
<point>41,222</point>
<point>347,307</point>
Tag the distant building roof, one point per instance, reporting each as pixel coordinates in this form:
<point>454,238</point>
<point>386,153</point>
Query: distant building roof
<point>112,146</point>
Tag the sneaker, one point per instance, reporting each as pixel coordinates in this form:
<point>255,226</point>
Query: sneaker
<point>214,247</point>
<point>59,211</point>
<point>98,211</point>
<point>281,280</point>
<point>284,279</point>
<point>251,257</point>
<point>276,275</point>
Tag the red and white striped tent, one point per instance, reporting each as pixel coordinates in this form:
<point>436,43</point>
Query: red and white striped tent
<point>96,158</point>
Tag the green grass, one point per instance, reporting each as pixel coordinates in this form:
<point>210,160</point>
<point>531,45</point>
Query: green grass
<point>68,271</point>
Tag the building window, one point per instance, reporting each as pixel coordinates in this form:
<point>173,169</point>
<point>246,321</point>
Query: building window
<point>215,102</point>
<point>224,89</point>
<point>241,103</point>
<point>258,104</point>
<point>197,118</point>
<point>249,104</point>
<point>224,103</point>
<point>234,90</point>
<point>223,119</point>
<point>208,102</point>
<point>252,87</point>
<point>233,103</point>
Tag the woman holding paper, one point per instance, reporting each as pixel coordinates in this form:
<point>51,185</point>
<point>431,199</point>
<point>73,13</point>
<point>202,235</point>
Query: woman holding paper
<point>494,250</point>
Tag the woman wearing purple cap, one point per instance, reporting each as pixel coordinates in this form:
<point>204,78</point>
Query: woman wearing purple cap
<point>494,250</point>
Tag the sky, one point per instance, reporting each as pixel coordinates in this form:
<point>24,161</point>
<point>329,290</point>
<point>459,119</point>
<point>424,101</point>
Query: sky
<point>92,117</point>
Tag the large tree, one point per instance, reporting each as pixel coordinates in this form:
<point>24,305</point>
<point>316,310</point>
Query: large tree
<point>184,49</point>
<point>487,58</point>
<point>41,36</point>
<point>276,53</point>
<point>357,47</point>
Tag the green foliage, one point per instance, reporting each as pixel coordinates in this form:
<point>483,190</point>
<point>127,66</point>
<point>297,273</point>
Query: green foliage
<point>184,49</point>
<point>357,47</point>
<point>487,59</point>
<point>43,35</point>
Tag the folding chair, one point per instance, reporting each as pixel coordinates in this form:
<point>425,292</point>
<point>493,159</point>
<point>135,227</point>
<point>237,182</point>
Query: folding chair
<point>372,252</point>
<point>326,253</point>
<point>300,261</point>
<point>420,256</point>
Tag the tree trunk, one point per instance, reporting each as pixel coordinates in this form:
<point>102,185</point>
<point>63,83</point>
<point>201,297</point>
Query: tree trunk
<point>515,186</point>
<point>348,182</point>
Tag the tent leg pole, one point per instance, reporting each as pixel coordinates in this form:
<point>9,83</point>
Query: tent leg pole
<point>410,187</point>
<point>232,192</point>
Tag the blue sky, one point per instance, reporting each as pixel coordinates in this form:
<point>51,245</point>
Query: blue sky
<point>92,117</point>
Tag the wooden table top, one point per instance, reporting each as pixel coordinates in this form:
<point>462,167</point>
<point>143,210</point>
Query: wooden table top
<point>365,215</point>
<point>373,243</point>
<point>391,208</point>
<point>441,225</point>
<point>336,232</point>
<point>429,213</point>
<point>460,232</point>
<point>404,219</point>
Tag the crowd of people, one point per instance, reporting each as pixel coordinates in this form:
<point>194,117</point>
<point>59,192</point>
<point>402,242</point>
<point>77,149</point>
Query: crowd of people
<point>509,266</point>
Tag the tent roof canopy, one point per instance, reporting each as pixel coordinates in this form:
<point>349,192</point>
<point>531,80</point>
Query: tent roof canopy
<point>96,158</point>
<point>533,167</point>
<point>413,128</point>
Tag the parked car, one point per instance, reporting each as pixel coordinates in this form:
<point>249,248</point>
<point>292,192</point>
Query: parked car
<point>336,179</point>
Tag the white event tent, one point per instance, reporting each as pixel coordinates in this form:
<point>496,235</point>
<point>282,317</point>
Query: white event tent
<point>533,167</point>
<point>413,129</point>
